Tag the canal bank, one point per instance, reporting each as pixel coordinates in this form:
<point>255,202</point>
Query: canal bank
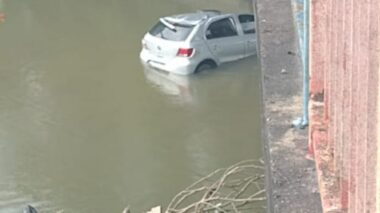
<point>291,178</point>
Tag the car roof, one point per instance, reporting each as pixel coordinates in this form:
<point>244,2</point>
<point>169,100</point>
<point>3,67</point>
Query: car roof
<point>193,18</point>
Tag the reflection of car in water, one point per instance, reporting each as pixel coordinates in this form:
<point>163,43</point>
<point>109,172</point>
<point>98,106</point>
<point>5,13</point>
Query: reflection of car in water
<point>193,42</point>
<point>2,17</point>
<point>176,86</point>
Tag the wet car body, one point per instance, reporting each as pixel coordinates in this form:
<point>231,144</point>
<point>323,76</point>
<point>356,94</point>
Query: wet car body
<point>189,43</point>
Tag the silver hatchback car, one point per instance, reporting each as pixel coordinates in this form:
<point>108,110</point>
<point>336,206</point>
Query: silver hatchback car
<point>189,43</point>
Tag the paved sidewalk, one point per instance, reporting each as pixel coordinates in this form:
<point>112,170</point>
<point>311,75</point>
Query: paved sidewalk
<point>291,177</point>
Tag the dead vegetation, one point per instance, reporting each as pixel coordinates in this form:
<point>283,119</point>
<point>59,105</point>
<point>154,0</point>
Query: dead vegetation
<point>238,188</point>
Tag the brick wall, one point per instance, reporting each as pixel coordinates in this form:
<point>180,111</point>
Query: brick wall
<point>378,155</point>
<point>344,87</point>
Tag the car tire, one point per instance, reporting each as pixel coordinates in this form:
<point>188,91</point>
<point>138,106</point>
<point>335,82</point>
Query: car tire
<point>205,65</point>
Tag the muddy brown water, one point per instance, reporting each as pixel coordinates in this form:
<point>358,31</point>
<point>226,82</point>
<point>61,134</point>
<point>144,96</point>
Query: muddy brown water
<point>85,128</point>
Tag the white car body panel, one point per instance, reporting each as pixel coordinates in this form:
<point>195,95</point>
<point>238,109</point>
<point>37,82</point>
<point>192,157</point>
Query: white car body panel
<point>161,53</point>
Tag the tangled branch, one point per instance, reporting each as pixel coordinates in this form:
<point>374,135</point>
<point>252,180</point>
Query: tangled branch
<point>235,189</point>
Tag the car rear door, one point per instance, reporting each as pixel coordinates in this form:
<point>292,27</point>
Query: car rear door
<point>165,39</point>
<point>223,40</point>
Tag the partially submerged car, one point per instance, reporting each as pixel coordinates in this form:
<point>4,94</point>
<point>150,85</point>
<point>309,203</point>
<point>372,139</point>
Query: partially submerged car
<point>192,42</point>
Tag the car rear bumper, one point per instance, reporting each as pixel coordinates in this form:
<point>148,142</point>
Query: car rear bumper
<point>177,65</point>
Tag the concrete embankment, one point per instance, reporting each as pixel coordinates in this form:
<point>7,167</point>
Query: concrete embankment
<point>291,178</point>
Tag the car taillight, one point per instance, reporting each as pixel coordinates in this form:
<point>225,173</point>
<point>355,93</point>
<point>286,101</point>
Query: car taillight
<point>185,52</point>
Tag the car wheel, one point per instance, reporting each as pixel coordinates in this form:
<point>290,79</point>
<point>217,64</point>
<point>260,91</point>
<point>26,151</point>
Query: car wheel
<point>205,65</point>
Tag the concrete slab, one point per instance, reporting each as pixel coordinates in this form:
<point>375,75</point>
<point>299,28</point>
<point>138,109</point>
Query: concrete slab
<point>291,177</point>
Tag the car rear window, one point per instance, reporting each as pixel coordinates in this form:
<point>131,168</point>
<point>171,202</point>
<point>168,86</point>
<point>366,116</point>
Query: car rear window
<point>178,33</point>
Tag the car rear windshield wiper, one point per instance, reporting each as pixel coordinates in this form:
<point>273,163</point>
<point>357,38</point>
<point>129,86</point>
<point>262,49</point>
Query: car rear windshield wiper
<point>168,25</point>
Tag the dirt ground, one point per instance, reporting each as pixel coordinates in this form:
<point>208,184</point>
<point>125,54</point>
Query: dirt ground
<point>291,177</point>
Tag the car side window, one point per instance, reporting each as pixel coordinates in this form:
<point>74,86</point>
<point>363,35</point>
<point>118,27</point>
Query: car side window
<point>247,23</point>
<point>221,28</point>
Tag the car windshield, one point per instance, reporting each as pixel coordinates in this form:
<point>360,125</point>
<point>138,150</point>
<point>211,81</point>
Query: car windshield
<point>171,31</point>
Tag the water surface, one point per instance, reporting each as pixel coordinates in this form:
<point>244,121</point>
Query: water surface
<point>84,128</point>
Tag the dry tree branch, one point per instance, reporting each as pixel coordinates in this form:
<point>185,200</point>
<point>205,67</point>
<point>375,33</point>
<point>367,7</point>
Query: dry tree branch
<point>234,189</point>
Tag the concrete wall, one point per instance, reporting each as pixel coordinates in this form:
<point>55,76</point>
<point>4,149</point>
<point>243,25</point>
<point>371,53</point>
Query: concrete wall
<point>344,130</point>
